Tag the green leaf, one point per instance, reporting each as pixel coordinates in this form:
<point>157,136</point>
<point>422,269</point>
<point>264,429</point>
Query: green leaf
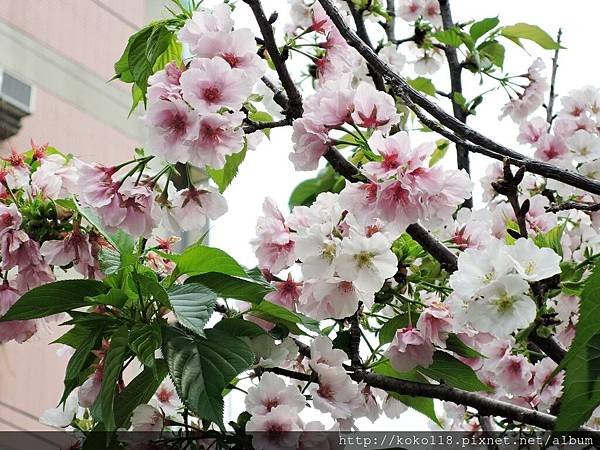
<point>279,315</point>
<point>193,304</point>
<point>114,297</point>
<point>226,286</point>
<point>200,259</point>
<point>144,340</point>
<point>54,298</point>
<point>581,392</point>
<point>440,151</point>
<point>223,177</point>
<point>152,288</point>
<point>138,392</point>
<point>421,404</point>
<point>454,344</point>
<point>551,239</point>
<point>306,192</point>
<point>388,330</point>
<point>451,37</point>
<point>494,52</point>
<point>422,84</point>
<point>481,27</point>
<point>449,370</point>
<point>239,328</point>
<point>529,32</point>
<point>103,408</point>
<point>202,367</point>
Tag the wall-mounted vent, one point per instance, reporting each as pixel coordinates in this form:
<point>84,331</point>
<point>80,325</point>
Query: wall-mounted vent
<point>16,102</point>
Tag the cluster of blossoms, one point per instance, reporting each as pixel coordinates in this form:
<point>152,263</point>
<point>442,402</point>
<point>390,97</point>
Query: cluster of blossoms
<point>193,111</point>
<point>333,58</point>
<point>277,406</point>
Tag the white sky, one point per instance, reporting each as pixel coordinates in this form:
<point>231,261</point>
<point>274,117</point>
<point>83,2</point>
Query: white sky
<point>268,172</point>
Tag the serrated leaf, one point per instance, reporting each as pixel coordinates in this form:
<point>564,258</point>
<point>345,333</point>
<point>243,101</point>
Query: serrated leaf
<point>144,340</point>
<point>451,37</point>
<point>529,32</point>
<point>193,304</point>
<point>423,84</point>
<point>440,151</point>
<point>103,408</point>
<point>200,259</point>
<point>54,298</point>
<point>223,177</point>
<point>226,286</point>
<point>152,288</point>
<point>114,297</point>
<point>279,315</point>
<point>482,26</point>
<point>239,328</point>
<point>202,367</point>
<point>494,52</point>
<point>449,370</point>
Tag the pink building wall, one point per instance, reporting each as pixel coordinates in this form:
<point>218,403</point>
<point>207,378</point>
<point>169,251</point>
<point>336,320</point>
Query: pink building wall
<point>88,36</point>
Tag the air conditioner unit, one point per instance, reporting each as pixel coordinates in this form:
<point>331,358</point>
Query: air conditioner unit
<point>16,102</point>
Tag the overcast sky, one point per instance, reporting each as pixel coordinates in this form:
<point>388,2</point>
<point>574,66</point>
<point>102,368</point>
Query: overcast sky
<point>268,172</point>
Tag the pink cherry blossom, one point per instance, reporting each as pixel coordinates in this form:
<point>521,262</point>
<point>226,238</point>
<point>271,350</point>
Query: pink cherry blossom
<point>216,20</point>
<point>146,418</point>
<point>330,299</point>
<point>17,330</point>
<point>551,148</point>
<point>272,392</point>
<point>96,184</point>
<point>273,245</point>
<point>238,48</point>
<point>410,349</point>
<point>74,248</point>
<point>532,130</point>
<point>133,209</point>
<point>169,125</point>
<point>435,323</point>
<point>335,394</point>
<point>310,143</point>
<point>395,151</point>
<point>217,136</point>
<point>322,352</point>
<point>286,292</point>
<point>90,389</point>
<point>211,84</point>
<point>374,109</point>
<point>410,10</point>
<point>192,207</point>
<point>514,373</point>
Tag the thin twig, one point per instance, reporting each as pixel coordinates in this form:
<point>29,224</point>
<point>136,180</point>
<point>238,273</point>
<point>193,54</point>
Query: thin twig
<point>252,126</point>
<point>550,105</point>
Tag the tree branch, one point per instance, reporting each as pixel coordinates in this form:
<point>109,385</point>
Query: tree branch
<point>294,109</point>
<point>455,68</point>
<point>480,143</point>
<point>587,207</point>
<point>484,405</point>
<point>252,126</point>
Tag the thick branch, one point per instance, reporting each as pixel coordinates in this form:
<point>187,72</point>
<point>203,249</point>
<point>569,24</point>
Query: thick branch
<point>550,346</point>
<point>390,24</point>
<point>294,110</point>
<point>482,144</point>
<point>587,207</point>
<point>462,154</point>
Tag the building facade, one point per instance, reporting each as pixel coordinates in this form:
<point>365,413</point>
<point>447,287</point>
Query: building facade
<point>65,51</point>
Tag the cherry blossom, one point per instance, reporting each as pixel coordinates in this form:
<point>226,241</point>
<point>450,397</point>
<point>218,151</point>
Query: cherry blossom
<point>409,349</point>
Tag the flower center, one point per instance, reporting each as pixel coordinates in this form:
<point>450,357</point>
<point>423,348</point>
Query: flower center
<point>505,302</point>
<point>211,94</point>
<point>364,259</point>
